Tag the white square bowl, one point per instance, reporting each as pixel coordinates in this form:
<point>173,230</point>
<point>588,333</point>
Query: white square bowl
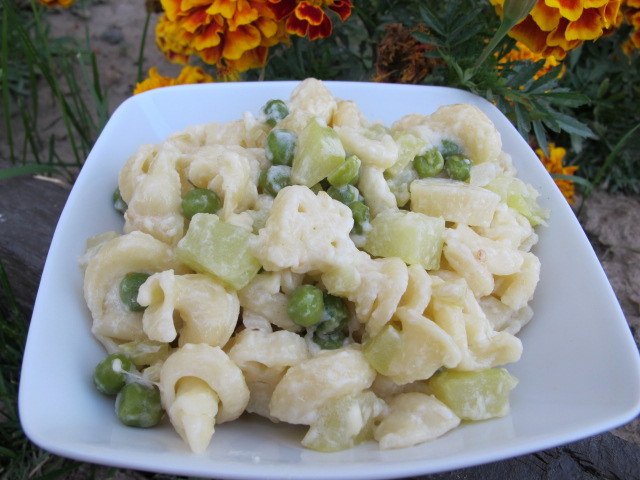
<point>579,374</point>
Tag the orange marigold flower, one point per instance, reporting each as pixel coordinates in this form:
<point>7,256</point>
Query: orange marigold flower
<point>554,164</point>
<point>555,26</point>
<point>307,18</point>
<point>521,52</point>
<point>234,35</point>
<point>188,75</point>
<point>57,3</point>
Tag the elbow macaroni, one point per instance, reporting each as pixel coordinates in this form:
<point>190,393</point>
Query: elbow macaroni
<point>215,352</point>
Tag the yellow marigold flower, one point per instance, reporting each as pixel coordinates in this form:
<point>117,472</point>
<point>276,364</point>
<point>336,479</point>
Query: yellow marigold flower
<point>234,35</point>
<point>172,41</point>
<point>57,3</point>
<point>554,164</point>
<point>555,26</point>
<point>521,52</point>
<point>188,75</point>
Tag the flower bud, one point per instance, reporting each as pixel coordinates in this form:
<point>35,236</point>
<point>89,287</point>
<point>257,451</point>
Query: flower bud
<point>516,10</point>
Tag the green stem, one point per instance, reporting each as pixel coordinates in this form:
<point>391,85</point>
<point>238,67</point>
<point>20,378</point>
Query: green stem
<point>143,41</point>
<point>4,61</point>
<point>503,29</point>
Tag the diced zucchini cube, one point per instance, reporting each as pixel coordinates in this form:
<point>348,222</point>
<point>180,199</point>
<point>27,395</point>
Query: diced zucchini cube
<point>214,247</point>
<point>319,153</point>
<point>414,237</point>
<point>475,395</point>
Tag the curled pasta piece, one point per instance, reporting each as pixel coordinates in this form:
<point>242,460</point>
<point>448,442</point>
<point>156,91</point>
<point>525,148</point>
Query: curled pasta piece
<point>312,97</point>
<point>373,145</point>
<point>262,296</point>
<point>208,312</point>
<point>516,290</point>
<point>510,226</point>
<point>504,318</point>
<point>348,114</point>
<point>191,404</point>
<point>465,124</point>
<point>135,169</point>
<point>308,385</point>
<point>263,358</point>
<point>458,313</point>
<point>376,191</point>
<point>230,172</point>
<point>412,348</point>
<point>155,203</point>
<point>478,258</point>
<point>189,140</point>
<point>418,293</point>
<point>113,322</point>
<point>247,132</point>
<point>305,232</point>
<point>414,418</point>
<point>383,282</point>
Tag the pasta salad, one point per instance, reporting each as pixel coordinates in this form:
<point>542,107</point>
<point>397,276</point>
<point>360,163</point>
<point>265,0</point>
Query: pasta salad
<point>313,267</point>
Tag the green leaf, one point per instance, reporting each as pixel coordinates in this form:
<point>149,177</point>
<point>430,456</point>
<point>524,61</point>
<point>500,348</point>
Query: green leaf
<point>524,125</point>
<point>431,20</point>
<point>613,154</point>
<point>524,72</point>
<point>573,178</point>
<point>541,136</point>
<point>567,99</point>
<point>573,126</point>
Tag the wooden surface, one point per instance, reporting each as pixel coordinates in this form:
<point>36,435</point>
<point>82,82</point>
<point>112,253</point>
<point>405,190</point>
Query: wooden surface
<point>29,211</point>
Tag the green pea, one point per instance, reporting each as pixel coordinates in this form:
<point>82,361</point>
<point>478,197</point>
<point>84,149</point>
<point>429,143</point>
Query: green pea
<point>200,200</point>
<point>129,286</point>
<point>281,146</point>
<point>118,203</point>
<point>275,110</point>
<point>429,164</point>
<point>138,405</point>
<point>346,194</point>
<point>449,147</point>
<point>329,341</point>
<point>306,306</point>
<point>274,179</point>
<point>458,167</point>
<point>346,173</point>
<point>334,316</point>
<point>361,216</point>
<point>109,376</point>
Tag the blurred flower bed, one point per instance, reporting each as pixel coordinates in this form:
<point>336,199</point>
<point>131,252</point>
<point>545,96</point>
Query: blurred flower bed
<point>566,73</point>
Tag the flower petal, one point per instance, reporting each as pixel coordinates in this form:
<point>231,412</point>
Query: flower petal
<point>208,37</point>
<point>321,31</point>
<point>342,8</point>
<point>546,17</point>
<point>569,9</point>
<point>239,41</point>
<point>282,8</point>
<point>226,8</point>
<point>587,27</point>
<point>296,26</point>
<point>195,19</point>
<point>610,14</point>
<point>529,33</point>
<point>309,13</point>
